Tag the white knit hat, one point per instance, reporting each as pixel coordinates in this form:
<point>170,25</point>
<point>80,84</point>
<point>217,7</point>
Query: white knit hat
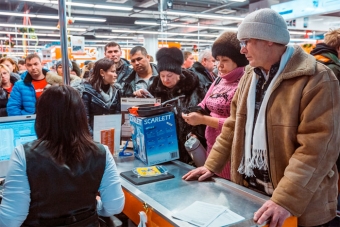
<point>264,24</point>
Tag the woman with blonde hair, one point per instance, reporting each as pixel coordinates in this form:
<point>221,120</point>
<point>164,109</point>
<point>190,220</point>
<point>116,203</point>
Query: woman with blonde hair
<point>7,82</point>
<point>12,65</point>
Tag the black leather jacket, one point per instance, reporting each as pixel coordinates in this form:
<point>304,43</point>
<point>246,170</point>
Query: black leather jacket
<point>205,79</point>
<point>4,96</point>
<point>95,104</point>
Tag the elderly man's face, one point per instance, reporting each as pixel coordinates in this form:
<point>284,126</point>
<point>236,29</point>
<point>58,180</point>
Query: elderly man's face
<point>256,51</point>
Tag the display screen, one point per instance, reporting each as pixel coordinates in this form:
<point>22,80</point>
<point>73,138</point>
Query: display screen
<point>13,134</point>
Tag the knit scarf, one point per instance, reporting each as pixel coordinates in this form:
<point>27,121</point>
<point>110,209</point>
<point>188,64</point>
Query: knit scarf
<point>255,154</point>
<point>107,97</point>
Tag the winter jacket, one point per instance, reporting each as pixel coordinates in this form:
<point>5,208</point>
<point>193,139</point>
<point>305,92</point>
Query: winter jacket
<point>4,97</point>
<point>128,84</point>
<point>16,76</point>
<point>95,104</point>
<point>328,56</point>
<point>124,70</point>
<point>188,85</point>
<point>302,122</point>
<point>22,100</point>
<point>204,76</point>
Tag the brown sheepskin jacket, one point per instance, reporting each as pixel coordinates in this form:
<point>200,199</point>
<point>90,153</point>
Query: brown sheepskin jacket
<point>303,138</point>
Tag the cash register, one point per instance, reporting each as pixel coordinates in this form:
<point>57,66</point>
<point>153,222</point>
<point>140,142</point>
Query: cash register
<point>14,131</point>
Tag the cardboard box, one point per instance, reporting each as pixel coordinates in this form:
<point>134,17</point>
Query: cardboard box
<point>155,138</point>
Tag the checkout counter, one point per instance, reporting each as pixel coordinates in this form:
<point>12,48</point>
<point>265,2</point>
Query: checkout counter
<point>161,199</point>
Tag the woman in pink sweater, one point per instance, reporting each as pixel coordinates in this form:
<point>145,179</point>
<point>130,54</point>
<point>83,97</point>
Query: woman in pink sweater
<point>230,63</point>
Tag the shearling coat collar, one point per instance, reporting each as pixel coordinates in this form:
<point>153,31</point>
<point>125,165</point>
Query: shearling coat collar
<point>53,78</point>
<point>302,122</point>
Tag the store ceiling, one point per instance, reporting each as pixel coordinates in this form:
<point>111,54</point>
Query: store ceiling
<point>203,29</point>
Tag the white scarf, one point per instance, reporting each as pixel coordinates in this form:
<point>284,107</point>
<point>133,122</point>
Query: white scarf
<point>256,156</point>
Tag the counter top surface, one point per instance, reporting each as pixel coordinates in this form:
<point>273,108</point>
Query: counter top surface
<point>170,196</point>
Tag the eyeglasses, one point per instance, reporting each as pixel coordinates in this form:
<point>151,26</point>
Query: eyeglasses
<point>243,43</point>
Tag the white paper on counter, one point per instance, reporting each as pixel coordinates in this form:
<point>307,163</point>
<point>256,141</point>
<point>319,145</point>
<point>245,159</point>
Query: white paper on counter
<point>226,218</point>
<point>104,122</point>
<point>200,213</point>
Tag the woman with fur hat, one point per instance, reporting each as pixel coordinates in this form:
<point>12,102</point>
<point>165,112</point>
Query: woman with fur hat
<point>100,96</point>
<point>7,81</point>
<point>173,81</point>
<point>231,63</point>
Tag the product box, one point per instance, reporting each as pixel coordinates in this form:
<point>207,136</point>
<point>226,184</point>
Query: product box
<point>154,138</point>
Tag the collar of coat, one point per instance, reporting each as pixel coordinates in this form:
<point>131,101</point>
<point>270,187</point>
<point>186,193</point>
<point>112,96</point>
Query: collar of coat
<point>300,64</point>
<point>187,83</point>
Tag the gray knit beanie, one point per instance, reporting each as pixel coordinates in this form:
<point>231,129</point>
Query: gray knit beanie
<point>264,24</point>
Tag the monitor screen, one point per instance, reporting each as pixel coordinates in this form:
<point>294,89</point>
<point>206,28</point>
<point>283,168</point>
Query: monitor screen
<point>14,132</point>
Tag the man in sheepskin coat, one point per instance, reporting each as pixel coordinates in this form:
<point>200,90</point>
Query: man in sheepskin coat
<point>282,137</point>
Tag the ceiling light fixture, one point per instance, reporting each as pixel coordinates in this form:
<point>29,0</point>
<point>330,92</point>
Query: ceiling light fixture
<point>164,33</point>
<point>83,5</point>
<point>39,27</point>
<point>147,22</point>
<point>202,15</point>
<point>56,17</point>
<point>206,27</point>
<point>117,37</point>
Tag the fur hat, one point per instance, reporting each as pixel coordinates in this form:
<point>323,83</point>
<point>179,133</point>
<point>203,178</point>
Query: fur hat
<point>228,45</point>
<point>60,62</point>
<point>264,24</point>
<point>170,59</point>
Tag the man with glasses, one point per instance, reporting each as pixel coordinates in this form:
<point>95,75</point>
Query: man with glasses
<point>283,133</point>
<point>139,80</point>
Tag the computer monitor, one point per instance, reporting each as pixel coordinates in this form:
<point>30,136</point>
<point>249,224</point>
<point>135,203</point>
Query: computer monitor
<point>14,131</point>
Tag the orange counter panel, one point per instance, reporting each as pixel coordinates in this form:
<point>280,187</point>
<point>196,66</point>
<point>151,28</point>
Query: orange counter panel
<point>133,206</point>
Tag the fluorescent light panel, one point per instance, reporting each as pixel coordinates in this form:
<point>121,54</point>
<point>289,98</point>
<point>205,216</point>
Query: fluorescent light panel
<point>202,15</point>
<point>84,5</point>
<point>118,37</point>
<point>39,27</point>
<point>56,17</point>
<point>164,33</point>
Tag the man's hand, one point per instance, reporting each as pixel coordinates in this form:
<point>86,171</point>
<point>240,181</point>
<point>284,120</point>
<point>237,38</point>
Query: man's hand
<point>142,93</point>
<point>201,173</point>
<point>272,212</point>
<point>193,118</point>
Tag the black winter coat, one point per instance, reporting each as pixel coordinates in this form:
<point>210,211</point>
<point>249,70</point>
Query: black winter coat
<point>189,86</point>
<point>128,84</point>
<point>204,76</point>
<point>4,97</point>
<point>95,104</point>
<point>123,71</point>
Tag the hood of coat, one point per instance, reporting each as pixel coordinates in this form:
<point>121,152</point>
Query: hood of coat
<point>187,83</point>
